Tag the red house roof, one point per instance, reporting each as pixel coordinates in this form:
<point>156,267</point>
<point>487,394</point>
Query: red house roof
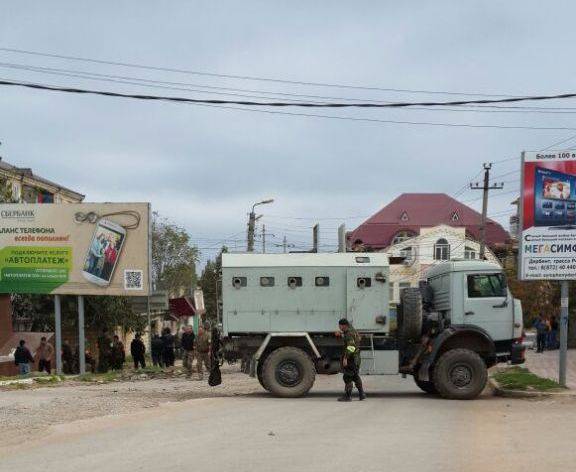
<point>412,211</point>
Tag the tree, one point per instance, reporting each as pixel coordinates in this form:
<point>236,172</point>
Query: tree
<point>174,257</point>
<point>209,283</point>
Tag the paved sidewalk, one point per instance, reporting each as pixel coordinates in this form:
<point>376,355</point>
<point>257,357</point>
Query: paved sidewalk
<point>546,365</point>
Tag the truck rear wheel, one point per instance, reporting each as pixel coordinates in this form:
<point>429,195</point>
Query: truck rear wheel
<point>460,374</point>
<point>288,372</point>
<point>410,314</point>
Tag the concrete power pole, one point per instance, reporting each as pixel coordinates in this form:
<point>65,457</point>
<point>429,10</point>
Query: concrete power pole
<point>263,239</point>
<point>315,237</point>
<point>251,229</point>
<point>284,245</point>
<point>486,187</point>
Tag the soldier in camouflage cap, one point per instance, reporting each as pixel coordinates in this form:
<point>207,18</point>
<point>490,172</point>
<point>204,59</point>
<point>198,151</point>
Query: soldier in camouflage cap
<point>350,360</point>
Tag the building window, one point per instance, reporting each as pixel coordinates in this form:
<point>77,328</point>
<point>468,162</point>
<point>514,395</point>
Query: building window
<point>442,250</point>
<point>486,286</point>
<point>407,253</point>
<point>455,216</point>
<point>469,253</point>
<point>402,236</point>
<point>404,216</point>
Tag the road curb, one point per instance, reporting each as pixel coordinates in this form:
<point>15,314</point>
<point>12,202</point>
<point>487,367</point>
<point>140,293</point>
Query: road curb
<point>502,392</point>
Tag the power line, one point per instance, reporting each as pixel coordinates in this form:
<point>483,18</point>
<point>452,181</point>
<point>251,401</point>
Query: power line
<point>281,104</point>
<point>241,77</point>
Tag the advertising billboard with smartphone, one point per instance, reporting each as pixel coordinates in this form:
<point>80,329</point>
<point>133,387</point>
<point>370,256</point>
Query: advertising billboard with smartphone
<point>547,240</point>
<point>75,248</point>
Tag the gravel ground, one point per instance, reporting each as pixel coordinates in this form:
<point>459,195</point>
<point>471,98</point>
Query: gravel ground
<point>27,413</point>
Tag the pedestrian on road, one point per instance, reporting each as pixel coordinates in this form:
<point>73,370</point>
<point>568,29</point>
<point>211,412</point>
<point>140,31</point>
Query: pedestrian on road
<point>138,351</point>
<point>350,360</point>
<point>541,333</point>
<point>553,333</point>
<point>202,351</point>
<point>118,353</point>
<point>167,347</point>
<point>187,344</point>
<point>23,358</point>
<point>44,353</point>
<point>157,346</point>
<point>104,351</point>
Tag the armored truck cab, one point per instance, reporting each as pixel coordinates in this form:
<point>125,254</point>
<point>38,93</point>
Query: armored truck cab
<point>280,313</point>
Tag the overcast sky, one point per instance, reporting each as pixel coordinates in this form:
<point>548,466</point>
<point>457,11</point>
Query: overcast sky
<point>203,167</point>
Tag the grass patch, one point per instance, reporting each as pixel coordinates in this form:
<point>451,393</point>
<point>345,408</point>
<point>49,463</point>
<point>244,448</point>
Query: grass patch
<point>520,378</point>
<point>50,379</point>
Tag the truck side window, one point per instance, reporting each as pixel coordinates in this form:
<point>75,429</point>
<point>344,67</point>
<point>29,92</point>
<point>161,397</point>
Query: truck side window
<point>363,282</point>
<point>486,285</point>
<point>294,282</point>
<point>267,281</point>
<point>322,281</point>
<point>238,282</point>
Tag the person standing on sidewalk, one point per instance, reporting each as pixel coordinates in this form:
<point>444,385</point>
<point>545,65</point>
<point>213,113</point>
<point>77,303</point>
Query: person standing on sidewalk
<point>202,351</point>
<point>187,345</point>
<point>541,333</point>
<point>23,358</point>
<point>138,351</point>
<point>45,352</point>
<point>157,346</point>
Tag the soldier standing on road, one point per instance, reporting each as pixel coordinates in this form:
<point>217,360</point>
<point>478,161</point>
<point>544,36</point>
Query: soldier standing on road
<point>104,351</point>
<point>202,351</point>
<point>350,361</point>
<point>187,344</point>
<point>138,350</point>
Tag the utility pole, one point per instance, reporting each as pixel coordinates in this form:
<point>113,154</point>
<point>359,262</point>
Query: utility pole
<point>252,223</point>
<point>342,238</point>
<point>315,237</point>
<point>284,245</point>
<point>486,187</point>
<point>263,239</point>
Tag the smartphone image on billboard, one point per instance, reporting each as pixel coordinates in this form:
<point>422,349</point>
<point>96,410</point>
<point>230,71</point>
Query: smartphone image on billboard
<point>554,198</point>
<point>104,252</point>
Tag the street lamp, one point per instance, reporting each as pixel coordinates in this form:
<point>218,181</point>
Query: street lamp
<point>252,223</point>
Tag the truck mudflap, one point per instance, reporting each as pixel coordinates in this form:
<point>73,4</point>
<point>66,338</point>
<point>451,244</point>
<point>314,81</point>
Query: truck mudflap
<point>518,353</point>
<point>424,371</point>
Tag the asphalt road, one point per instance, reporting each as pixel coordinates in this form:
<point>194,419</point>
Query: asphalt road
<point>396,429</point>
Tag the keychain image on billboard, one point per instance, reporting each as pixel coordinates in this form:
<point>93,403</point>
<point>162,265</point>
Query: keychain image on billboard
<point>104,252</point>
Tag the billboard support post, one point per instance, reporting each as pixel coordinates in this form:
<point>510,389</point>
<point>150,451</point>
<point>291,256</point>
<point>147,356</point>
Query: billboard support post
<point>81,336</point>
<point>564,298</point>
<point>58,333</point>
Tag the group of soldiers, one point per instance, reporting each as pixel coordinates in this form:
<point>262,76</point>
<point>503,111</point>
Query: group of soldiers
<point>111,350</point>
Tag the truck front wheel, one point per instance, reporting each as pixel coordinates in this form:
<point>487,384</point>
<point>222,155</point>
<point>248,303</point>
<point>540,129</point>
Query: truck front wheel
<point>460,374</point>
<point>288,372</point>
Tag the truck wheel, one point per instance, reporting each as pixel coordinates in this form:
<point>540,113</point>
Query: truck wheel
<point>426,386</point>
<point>288,372</point>
<point>259,375</point>
<point>460,374</point>
<point>410,314</point>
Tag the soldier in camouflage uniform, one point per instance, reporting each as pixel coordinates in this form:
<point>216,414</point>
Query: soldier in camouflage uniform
<point>203,341</point>
<point>350,360</point>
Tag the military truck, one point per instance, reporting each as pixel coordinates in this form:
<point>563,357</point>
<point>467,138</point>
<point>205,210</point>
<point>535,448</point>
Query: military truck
<point>280,314</point>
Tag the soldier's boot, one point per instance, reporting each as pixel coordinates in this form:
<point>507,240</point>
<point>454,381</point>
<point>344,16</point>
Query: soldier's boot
<point>347,393</point>
<point>361,394</point>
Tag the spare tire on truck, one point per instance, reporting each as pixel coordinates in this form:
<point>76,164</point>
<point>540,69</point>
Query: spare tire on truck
<point>409,315</point>
<point>288,372</point>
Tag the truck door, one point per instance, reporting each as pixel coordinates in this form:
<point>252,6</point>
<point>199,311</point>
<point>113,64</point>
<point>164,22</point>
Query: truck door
<point>366,298</point>
<point>488,304</point>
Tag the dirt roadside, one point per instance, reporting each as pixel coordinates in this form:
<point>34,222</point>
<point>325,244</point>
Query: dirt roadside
<point>28,413</point>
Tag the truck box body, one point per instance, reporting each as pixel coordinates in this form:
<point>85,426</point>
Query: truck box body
<point>309,292</point>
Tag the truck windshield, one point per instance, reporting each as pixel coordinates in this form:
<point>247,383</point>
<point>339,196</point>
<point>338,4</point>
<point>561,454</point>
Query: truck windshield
<point>486,285</point>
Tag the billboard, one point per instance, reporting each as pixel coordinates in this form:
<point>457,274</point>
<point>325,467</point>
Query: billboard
<point>75,248</point>
<point>547,240</point>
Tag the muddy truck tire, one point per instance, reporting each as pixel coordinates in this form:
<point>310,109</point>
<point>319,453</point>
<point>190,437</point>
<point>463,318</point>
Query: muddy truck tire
<point>460,374</point>
<point>409,315</point>
<point>288,372</point>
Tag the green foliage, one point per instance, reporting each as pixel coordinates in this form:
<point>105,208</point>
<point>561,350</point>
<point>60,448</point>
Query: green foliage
<point>173,257</point>
<point>519,378</point>
<point>209,283</point>
<point>6,195</point>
